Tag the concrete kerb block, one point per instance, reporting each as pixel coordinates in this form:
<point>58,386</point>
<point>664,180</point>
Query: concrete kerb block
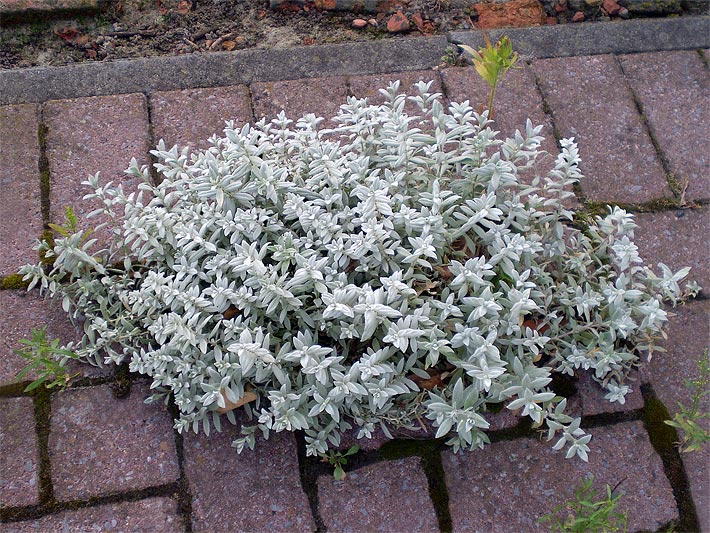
<point>627,37</point>
<point>219,69</point>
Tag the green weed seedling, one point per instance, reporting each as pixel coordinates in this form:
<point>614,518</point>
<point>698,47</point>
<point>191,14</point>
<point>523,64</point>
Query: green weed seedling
<point>688,419</point>
<point>491,63</point>
<point>588,512</point>
<point>338,459</point>
<point>46,358</point>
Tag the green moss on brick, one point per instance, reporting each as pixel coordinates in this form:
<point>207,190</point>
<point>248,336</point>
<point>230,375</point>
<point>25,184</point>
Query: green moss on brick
<point>13,281</point>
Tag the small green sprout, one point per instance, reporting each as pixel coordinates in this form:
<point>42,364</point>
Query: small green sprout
<point>492,62</point>
<point>589,511</point>
<point>338,459</point>
<point>687,420</point>
<point>47,359</point>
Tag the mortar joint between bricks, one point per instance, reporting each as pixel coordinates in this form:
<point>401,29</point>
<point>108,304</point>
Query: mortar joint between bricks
<point>44,173</point>
<point>671,179</point>
<point>151,138</point>
<point>250,98</point>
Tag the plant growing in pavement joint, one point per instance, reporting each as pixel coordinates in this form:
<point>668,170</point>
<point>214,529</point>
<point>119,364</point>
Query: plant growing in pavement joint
<point>389,269</point>
<point>689,419</point>
<point>491,63</point>
<point>589,511</point>
<point>338,460</point>
<point>45,358</point>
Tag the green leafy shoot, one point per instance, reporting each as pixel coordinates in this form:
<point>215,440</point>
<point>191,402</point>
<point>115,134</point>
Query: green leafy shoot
<point>492,62</point>
<point>589,511</point>
<point>47,359</point>
<point>71,225</point>
<point>694,435</point>
<point>338,459</point>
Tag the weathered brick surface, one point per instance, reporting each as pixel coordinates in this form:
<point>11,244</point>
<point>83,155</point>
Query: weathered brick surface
<point>697,466</point>
<point>191,117</point>
<point>674,90</point>
<point>677,238</point>
<point>321,96</point>
<point>591,102</point>
<point>155,515</point>
<point>19,454</point>
<point>385,496</point>
<point>20,207</point>
<point>90,135</point>
<point>594,403</point>
<point>100,445</point>
<point>21,313</point>
<point>369,86</point>
<point>509,485</point>
<point>258,490</point>
<point>688,337</point>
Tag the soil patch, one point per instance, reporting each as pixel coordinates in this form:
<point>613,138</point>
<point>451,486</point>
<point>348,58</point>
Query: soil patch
<point>143,28</point>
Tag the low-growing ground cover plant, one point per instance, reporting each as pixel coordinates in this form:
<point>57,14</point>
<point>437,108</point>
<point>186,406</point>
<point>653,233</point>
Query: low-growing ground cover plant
<point>384,271</point>
<point>588,512</point>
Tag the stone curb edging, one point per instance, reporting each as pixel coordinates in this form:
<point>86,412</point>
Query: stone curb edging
<point>594,38</point>
<point>39,84</point>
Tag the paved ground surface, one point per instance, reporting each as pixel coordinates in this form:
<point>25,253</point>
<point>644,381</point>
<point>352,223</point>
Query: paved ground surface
<point>94,457</point>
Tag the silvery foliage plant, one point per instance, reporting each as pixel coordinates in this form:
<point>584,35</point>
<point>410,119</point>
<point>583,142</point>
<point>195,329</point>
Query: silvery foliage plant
<point>332,270</point>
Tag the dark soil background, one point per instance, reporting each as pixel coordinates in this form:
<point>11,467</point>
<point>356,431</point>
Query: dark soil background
<point>143,28</point>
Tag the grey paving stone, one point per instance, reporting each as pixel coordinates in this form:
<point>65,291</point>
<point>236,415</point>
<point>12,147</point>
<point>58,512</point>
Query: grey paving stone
<point>677,238</point>
<point>24,311</point>
<point>258,490</point>
<point>20,206</point>
<point>674,90</point>
<point>321,96</point>
<point>594,403</point>
<point>155,515</point>
<point>19,454</point>
<point>591,102</point>
<point>369,86</point>
<point>99,444</point>
<point>192,116</point>
<point>90,135</point>
<point>385,496</point>
<point>511,484</point>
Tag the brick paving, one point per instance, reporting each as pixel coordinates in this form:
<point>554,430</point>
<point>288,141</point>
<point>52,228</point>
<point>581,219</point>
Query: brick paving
<point>86,459</point>
<point>19,187</point>
<point>591,102</point>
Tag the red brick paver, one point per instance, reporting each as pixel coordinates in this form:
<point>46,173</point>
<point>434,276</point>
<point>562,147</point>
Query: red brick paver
<point>369,87</point>
<point>594,403</point>
<point>100,445</point>
<point>321,96</point>
<point>257,490</point>
<point>90,135</point>
<point>20,207</point>
<point>19,454</point>
<point>193,116</point>
<point>591,102</point>
<point>678,238</point>
<point>156,515</point>
<point>21,313</point>
<point>385,496</point>
<point>509,485</point>
<point>674,90</point>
